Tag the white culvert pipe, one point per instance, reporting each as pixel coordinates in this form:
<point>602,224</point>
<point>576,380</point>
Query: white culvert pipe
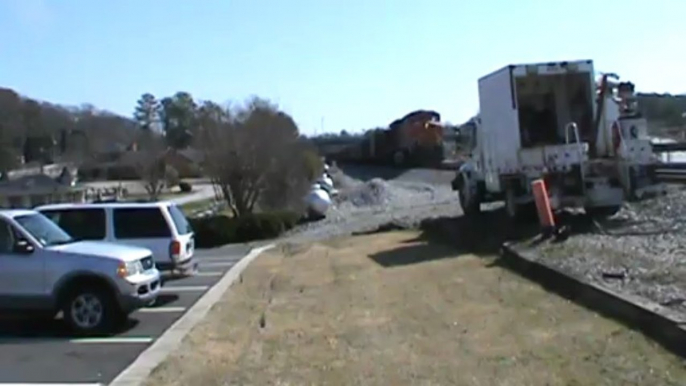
<point>325,181</point>
<point>318,201</point>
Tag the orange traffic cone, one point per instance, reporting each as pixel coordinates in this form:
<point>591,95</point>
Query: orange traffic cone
<point>545,212</point>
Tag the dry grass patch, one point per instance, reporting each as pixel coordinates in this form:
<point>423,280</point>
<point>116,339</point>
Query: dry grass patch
<point>391,310</point>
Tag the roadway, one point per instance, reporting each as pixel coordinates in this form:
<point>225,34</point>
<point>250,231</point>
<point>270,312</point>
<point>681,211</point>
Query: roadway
<point>33,351</point>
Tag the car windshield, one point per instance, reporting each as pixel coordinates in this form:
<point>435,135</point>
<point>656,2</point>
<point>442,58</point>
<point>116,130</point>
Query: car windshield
<point>180,221</point>
<point>44,230</point>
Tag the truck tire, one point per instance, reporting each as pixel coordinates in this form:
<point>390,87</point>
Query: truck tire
<point>469,197</point>
<point>91,309</point>
<point>602,211</point>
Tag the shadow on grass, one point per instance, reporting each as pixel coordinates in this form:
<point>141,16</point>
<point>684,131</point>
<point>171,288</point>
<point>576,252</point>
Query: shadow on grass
<point>485,235</point>
<point>453,236</point>
<point>412,254</point>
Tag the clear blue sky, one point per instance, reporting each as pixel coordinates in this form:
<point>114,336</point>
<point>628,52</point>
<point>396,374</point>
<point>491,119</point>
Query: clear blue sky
<point>357,63</point>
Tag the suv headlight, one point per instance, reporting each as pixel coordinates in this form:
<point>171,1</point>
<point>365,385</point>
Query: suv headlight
<point>131,268</point>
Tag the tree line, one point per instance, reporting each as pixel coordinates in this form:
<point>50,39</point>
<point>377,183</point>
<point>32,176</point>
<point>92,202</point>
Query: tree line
<point>35,131</point>
<point>252,151</point>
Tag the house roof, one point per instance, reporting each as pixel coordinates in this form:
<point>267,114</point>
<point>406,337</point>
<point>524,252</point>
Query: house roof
<point>192,155</point>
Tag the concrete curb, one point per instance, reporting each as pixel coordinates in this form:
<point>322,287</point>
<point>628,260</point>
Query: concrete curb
<point>137,372</point>
<point>655,321</point>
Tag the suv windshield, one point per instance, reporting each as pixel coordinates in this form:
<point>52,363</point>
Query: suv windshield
<point>43,229</point>
<point>180,221</point>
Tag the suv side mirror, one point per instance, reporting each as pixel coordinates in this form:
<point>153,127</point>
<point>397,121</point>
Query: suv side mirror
<point>23,247</point>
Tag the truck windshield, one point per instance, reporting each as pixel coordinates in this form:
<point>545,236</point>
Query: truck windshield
<point>44,230</point>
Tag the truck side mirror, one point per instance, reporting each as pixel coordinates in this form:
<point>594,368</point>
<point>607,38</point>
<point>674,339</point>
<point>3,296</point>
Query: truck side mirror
<point>23,247</point>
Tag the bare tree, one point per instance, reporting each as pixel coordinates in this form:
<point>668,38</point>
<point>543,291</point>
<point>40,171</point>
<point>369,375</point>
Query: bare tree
<point>148,160</point>
<point>251,153</point>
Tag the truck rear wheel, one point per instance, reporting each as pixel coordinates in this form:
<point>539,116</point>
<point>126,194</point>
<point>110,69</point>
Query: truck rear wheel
<point>469,197</point>
<point>520,212</point>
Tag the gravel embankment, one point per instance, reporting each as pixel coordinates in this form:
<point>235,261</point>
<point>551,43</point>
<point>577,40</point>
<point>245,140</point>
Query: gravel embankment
<point>641,251</point>
<point>363,206</point>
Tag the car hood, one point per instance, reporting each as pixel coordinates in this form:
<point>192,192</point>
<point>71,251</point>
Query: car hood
<point>104,249</point>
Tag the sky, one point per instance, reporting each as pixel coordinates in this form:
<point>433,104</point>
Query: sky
<point>332,64</point>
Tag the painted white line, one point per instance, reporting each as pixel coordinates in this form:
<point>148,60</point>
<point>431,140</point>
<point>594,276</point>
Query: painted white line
<point>209,273</point>
<point>216,265</point>
<point>180,288</point>
<point>140,369</point>
<point>113,339</point>
<point>217,260</point>
<point>51,384</point>
<point>154,310</point>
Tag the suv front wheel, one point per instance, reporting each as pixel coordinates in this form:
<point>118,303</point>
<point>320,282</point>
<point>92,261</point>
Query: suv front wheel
<point>90,309</point>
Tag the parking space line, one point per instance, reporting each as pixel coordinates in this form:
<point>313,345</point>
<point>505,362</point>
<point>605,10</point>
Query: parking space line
<point>162,309</point>
<point>217,264</point>
<point>51,384</point>
<point>218,259</point>
<point>209,273</point>
<point>190,288</point>
<point>114,339</point>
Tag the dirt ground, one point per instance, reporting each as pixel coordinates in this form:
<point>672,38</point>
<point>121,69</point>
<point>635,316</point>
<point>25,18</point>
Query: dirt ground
<point>394,309</point>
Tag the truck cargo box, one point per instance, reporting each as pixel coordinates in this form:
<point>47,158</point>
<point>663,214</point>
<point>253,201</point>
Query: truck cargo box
<point>528,106</point>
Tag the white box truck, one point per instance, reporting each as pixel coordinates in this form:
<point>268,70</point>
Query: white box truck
<point>553,121</point>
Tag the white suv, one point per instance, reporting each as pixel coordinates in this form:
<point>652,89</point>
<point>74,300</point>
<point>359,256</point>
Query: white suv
<point>95,285</point>
<point>159,226</point>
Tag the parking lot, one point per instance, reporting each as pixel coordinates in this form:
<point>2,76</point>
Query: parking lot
<point>35,351</point>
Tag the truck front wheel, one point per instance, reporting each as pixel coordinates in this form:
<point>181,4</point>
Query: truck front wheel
<point>469,197</point>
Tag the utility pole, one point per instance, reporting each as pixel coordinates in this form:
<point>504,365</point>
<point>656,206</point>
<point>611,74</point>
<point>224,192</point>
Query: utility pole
<point>321,125</point>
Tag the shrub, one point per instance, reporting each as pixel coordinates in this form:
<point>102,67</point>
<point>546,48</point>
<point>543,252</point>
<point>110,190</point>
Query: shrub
<point>259,226</point>
<point>313,164</point>
<point>218,230</point>
<point>213,231</point>
<point>288,218</point>
<point>185,187</point>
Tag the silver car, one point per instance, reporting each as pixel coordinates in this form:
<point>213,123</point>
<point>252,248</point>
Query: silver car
<point>95,285</point>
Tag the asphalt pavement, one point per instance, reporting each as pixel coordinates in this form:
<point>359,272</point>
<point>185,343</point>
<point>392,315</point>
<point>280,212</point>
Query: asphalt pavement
<point>42,352</point>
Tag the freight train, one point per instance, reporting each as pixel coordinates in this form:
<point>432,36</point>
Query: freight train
<point>413,140</point>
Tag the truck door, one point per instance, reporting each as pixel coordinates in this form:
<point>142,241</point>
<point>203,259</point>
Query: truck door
<point>22,274</point>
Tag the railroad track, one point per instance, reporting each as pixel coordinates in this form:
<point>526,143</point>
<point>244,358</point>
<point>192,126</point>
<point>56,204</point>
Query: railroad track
<point>671,175</point>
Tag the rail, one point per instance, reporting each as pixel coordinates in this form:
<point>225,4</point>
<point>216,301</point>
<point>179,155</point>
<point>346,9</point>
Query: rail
<point>667,173</point>
<point>669,147</point>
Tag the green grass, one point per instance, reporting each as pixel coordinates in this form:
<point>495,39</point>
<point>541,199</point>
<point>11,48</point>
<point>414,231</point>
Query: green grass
<point>145,196</point>
<point>193,206</point>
